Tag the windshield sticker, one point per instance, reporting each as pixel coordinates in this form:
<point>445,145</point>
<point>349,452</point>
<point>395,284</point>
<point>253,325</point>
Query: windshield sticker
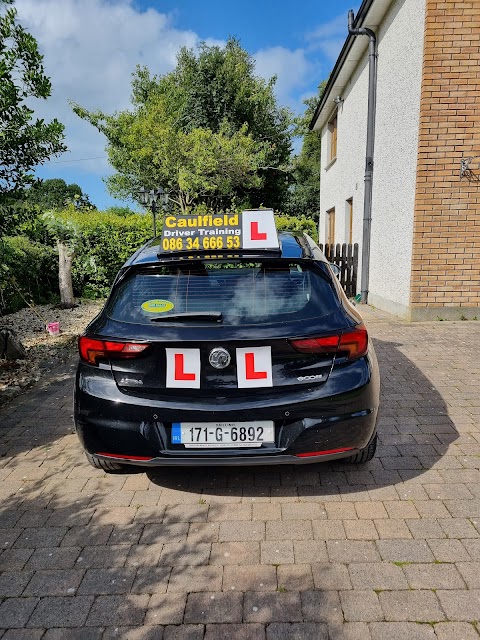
<point>157,306</point>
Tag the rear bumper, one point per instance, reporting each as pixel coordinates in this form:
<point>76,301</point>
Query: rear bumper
<point>228,461</point>
<point>333,421</point>
<point>302,442</point>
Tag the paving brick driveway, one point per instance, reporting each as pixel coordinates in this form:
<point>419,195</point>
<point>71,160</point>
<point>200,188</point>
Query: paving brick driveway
<point>387,551</point>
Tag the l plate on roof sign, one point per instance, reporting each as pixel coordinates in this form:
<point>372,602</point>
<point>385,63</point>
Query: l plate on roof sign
<point>253,229</point>
<point>259,230</point>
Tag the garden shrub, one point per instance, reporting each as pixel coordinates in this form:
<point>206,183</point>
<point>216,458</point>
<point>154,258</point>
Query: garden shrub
<point>29,273</point>
<point>283,221</point>
<point>105,242</point>
<point>286,222</point>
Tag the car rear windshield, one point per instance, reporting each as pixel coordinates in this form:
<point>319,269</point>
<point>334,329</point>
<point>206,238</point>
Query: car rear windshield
<point>242,292</point>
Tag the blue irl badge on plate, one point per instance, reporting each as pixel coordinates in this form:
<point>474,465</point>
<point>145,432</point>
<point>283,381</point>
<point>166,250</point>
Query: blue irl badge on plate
<point>176,433</point>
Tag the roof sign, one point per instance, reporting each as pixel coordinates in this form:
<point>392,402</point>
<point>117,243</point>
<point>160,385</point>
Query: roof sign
<point>253,229</point>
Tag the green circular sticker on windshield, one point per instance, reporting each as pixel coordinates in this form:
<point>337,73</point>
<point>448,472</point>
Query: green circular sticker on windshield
<point>157,306</point>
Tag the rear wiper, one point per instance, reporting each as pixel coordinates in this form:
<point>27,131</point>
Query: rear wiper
<point>204,316</point>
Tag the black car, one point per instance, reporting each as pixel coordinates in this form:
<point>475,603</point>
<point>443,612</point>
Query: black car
<point>252,357</point>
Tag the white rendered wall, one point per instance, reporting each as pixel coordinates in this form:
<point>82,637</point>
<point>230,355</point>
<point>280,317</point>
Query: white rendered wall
<point>401,39</point>
<point>343,179</point>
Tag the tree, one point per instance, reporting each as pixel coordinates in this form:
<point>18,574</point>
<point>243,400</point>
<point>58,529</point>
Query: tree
<point>197,166</point>
<point>67,235</point>
<point>208,132</point>
<point>304,196</point>
<point>25,142</point>
<point>122,212</point>
<point>55,193</point>
<point>220,85</point>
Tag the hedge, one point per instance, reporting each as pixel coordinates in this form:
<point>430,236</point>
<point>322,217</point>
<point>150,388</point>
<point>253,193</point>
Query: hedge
<point>284,222</point>
<point>29,272</point>
<point>105,242</point>
<point>108,240</point>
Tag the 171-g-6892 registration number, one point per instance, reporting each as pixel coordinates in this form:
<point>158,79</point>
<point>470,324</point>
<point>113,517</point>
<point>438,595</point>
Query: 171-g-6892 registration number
<point>223,434</point>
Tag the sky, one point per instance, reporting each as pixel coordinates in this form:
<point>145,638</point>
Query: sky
<point>91,47</point>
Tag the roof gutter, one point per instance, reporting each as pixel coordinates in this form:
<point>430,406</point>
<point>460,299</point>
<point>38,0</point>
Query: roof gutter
<point>361,15</point>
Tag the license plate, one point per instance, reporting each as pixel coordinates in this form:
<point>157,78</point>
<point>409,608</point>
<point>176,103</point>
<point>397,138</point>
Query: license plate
<point>217,435</point>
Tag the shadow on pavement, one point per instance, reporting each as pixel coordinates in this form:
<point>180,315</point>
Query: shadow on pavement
<point>415,432</point>
<point>80,548</point>
<point>414,429</point>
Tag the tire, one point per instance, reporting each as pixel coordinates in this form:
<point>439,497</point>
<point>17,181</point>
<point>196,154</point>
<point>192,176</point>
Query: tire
<point>364,455</point>
<point>106,465</point>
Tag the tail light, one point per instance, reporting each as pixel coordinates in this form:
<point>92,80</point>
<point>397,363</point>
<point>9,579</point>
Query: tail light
<point>91,350</point>
<point>353,344</point>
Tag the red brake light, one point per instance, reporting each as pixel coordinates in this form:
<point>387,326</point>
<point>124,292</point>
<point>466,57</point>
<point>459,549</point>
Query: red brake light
<point>354,344</point>
<point>317,345</point>
<point>92,350</point>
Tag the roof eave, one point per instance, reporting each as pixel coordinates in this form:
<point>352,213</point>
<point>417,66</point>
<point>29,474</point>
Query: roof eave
<point>349,57</point>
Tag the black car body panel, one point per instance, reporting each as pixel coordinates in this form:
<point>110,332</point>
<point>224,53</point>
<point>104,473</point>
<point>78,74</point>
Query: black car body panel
<point>323,405</point>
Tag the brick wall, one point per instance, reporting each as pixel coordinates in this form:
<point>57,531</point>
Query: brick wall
<point>446,240</point>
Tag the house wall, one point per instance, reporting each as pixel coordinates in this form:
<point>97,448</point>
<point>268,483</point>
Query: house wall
<point>400,38</point>
<point>343,178</point>
<point>396,147</point>
<point>446,242</point>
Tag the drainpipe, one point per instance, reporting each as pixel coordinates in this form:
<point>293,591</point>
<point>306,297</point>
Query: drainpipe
<point>372,100</point>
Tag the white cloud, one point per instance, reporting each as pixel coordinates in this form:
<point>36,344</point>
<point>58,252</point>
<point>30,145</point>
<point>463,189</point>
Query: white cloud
<point>302,68</point>
<point>292,69</point>
<point>329,37</point>
<point>91,48</point>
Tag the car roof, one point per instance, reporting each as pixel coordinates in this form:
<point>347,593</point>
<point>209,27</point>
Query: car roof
<point>293,245</point>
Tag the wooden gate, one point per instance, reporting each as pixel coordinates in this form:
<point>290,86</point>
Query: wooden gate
<point>346,257</point>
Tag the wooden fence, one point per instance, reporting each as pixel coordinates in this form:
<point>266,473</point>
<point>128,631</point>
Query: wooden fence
<point>346,257</point>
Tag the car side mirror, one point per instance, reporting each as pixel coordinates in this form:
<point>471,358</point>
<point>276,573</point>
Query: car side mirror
<point>336,269</point>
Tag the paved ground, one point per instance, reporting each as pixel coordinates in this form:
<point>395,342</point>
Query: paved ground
<point>387,551</point>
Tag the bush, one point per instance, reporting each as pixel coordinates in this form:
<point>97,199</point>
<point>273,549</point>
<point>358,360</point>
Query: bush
<point>29,273</point>
<point>105,242</point>
<point>286,222</point>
